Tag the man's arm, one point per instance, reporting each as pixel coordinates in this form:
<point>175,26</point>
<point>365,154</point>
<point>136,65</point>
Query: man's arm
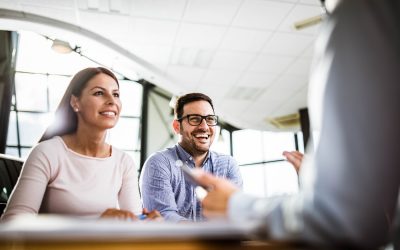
<point>157,192</point>
<point>234,173</point>
<point>350,188</point>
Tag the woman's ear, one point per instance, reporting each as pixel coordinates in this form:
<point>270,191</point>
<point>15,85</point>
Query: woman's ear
<point>177,126</point>
<point>74,103</point>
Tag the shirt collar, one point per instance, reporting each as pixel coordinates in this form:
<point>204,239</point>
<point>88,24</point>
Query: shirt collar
<point>185,156</point>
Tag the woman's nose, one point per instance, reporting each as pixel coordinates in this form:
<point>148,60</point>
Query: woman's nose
<point>111,99</point>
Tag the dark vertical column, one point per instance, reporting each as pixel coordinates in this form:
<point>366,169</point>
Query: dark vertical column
<point>305,126</point>
<point>144,121</point>
<point>231,141</point>
<point>8,48</point>
<point>296,142</point>
<point>231,129</point>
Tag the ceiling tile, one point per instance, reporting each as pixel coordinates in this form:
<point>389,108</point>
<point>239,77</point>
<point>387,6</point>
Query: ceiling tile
<point>300,67</point>
<point>10,4</point>
<point>120,6</point>
<point>212,46</point>
<point>292,105</point>
<point>257,119</point>
<point>220,77</point>
<point>288,1</point>
<point>90,20</point>
<point>184,56</point>
<point>162,67</point>
<point>311,2</point>
<point>288,85</point>
<point>287,44</point>
<point>261,108</point>
<point>63,14</point>
<point>153,31</point>
<point>265,105</point>
<point>271,64</point>
<point>204,58</point>
<point>187,77</point>
<point>261,14</point>
<point>211,11</point>
<point>233,106</point>
<point>49,3</point>
<point>269,100</point>
<point>159,9</point>
<point>199,36</point>
<point>155,54</point>
<point>244,40</point>
<point>97,5</point>
<point>231,60</point>
<point>309,51</point>
<point>200,58</point>
<point>255,79</point>
<point>216,93</point>
<point>244,93</point>
<point>114,7</point>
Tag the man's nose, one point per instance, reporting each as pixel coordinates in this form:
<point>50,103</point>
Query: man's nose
<point>203,124</point>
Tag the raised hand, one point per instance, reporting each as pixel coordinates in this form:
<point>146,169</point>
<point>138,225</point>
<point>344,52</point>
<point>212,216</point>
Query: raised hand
<point>295,158</point>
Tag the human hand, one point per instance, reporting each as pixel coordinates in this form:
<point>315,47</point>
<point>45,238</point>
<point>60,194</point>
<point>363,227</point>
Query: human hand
<point>295,158</point>
<point>215,204</point>
<point>153,215</point>
<point>113,213</point>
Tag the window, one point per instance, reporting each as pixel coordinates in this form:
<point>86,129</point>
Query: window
<point>222,141</point>
<point>41,78</point>
<point>264,170</point>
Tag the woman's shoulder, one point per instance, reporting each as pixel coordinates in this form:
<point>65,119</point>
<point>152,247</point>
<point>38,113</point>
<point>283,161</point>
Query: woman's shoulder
<point>50,145</point>
<point>121,155</point>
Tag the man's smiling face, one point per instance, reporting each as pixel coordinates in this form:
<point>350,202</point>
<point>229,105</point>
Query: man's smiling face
<point>196,140</point>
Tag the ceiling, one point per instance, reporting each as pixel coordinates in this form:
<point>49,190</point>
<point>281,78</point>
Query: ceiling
<point>245,54</point>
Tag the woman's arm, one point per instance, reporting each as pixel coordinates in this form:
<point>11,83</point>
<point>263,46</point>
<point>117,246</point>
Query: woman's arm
<point>28,193</point>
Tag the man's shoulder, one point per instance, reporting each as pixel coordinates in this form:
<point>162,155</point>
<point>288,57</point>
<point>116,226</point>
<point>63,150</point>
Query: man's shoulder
<point>221,159</point>
<point>166,154</point>
<point>220,156</point>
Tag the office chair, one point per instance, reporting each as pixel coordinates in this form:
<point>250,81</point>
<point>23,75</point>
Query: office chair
<point>10,168</point>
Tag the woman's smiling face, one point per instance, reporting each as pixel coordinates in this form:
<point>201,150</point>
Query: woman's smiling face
<point>99,104</point>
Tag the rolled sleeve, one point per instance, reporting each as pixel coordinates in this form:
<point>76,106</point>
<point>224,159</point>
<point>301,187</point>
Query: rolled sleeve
<point>234,173</point>
<point>157,191</point>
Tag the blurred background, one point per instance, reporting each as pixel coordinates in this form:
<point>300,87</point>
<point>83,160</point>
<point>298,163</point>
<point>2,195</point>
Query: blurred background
<point>252,57</point>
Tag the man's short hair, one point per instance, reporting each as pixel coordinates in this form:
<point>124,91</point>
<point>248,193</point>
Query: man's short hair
<point>188,98</point>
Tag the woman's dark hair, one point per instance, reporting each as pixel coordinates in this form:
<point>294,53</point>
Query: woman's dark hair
<point>66,120</point>
<point>188,98</point>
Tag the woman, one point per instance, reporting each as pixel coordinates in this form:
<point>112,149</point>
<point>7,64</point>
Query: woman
<point>73,171</point>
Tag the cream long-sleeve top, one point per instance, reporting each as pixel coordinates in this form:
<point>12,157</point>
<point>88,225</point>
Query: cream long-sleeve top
<point>57,180</point>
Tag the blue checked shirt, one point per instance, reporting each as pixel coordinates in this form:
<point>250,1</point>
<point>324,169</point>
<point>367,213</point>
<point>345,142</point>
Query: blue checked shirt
<point>164,188</point>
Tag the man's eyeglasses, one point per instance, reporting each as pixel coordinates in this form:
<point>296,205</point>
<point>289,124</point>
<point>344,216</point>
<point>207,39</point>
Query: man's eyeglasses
<point>196,120</point>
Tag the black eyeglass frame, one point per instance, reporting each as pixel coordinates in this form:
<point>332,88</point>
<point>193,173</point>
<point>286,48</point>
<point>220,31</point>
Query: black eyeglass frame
<point>203,117</point>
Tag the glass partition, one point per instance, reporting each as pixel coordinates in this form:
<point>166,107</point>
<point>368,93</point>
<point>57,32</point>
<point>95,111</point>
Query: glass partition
<point>264,169</point>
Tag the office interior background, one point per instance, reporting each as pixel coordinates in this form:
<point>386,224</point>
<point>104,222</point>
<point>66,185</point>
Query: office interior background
<point>247,55</point>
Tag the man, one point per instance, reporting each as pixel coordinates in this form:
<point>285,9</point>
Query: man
<point>163,184</point>
<point>349,188</point>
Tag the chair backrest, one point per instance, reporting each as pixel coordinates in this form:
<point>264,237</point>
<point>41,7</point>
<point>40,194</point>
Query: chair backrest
<point>10,168</point>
